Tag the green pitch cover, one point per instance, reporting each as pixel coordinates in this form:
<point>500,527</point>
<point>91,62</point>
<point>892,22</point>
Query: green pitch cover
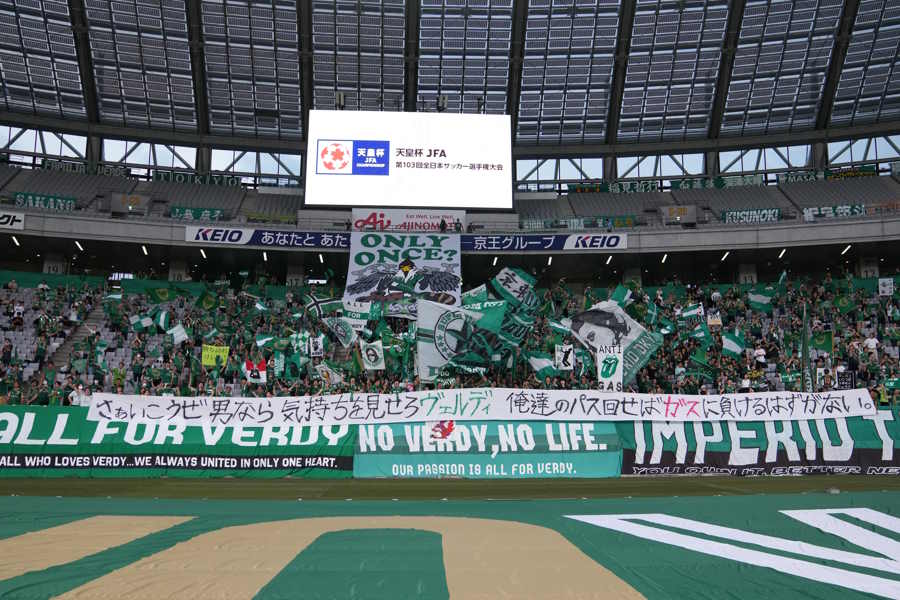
<point>818,546</point>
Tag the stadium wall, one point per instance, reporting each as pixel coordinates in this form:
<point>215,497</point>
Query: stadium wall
<point>673,239</point>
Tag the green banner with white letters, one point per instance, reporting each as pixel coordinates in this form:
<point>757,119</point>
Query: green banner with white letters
<point>488,450</point>
<point>48,441</point>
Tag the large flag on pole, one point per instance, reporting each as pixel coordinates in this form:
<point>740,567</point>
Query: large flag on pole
<point>607,324</point>
<point>443,332</point>
<point>733,344</point>
<point>516,287</point>
<point>543,364</point>
<point>342,330</point>
<point>761,301</point>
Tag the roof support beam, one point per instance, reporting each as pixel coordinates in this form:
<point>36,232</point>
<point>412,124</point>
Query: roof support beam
<point>516,58</point>
<point>521,151</point>
<point>259,144</point>
<point>726,65</point>
<point>623,45</point>
<point>411,56</point>
<point>836,64</point>
<point>78,18</point>
<point>304,28</point>
<point>198,64</point>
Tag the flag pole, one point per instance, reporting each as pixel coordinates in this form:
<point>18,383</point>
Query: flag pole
<point>804,358</point>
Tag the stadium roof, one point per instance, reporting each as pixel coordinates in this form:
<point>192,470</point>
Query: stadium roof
<point>579,77</point>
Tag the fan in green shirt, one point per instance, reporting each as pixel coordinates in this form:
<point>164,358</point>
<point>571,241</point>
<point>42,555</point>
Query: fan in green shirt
<point>42,396</point>
<point>56,396</point>
<point>14,396</point>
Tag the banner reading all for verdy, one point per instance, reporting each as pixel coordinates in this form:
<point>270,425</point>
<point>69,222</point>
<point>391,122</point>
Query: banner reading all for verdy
<point>398,269</point>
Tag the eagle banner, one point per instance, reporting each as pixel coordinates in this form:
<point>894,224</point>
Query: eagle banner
<point>396,270</point>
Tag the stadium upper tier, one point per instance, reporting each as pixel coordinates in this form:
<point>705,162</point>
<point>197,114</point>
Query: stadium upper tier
<point>569,73</point>
<point>167,201</point>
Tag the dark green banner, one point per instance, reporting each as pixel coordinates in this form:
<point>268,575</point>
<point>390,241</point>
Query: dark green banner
<point>196,214</point>
<point>851,445</point>
<point>61,442</point>
<point>207,179</point>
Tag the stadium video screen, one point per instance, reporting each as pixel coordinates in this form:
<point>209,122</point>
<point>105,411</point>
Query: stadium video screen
<point>392,159</point>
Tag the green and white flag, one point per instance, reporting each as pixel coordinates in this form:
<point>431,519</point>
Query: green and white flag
<point>666,327</point>
<point>260,307</point>
<point>211,334</point>
<point>342,330</point>
<point>443,332</point>
<point>489,314</point>
<point>733,344</point>
<point>782,278</point>
<point>278,363</point>
<point>294,366</point>
<point>372,355</point>
<point>701,334</point>
<point>761,301</point>
<point>652,313</point>
<point>357,313</point>
<point>264,339</point>
<point>542,363</point>
<point>162,320</point>
<point>475,295</point>
<point>621,296</point>
<point>113,297</point>
<point>562,326</point>
<point>178,333</point>
<point>318,306</point>
<point>607,324</point>
<point>100,349</point>
<point>516,287</point>
<point>140,323</point>
<point>694,312</point>
<point>300,342</point>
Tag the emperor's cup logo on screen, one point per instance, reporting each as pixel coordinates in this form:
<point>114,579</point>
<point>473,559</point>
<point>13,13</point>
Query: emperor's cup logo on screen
<point>334,157</point>
<point>353,157</point>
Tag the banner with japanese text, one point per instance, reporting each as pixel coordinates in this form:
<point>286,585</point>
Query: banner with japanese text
<point>184,213</point>
<point>477,404</point>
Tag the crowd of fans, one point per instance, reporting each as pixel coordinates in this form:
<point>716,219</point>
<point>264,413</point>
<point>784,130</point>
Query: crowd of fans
<point>116,358</point>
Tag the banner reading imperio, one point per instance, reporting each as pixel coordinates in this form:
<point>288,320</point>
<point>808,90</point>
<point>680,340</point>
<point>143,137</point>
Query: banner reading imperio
<point>397,269</point>
<point>488,450</point>
<point>62,442</point>
<point>867,445</point>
